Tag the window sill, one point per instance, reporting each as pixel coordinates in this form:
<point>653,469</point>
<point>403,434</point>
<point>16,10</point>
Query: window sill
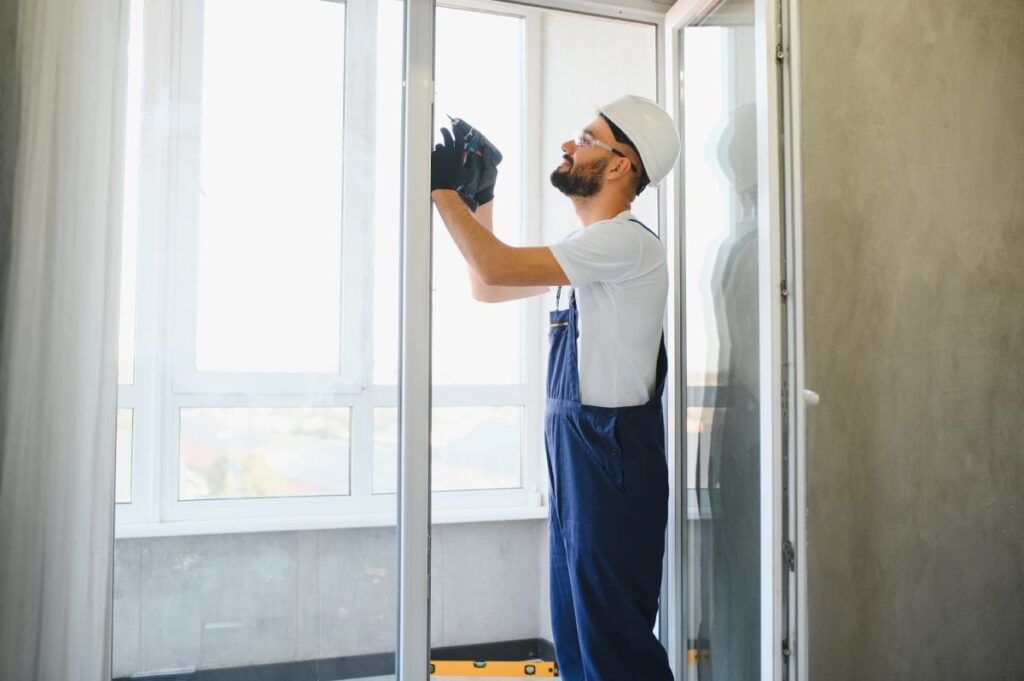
<point>247,525</point>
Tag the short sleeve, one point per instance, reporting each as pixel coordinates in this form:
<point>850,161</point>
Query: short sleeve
<point>605,251</point>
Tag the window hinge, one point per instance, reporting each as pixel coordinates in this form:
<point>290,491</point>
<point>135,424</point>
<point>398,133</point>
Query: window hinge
<point>785,649</point>
<point>780,54</point>
<point>788,556</point>
<point>784,288</point>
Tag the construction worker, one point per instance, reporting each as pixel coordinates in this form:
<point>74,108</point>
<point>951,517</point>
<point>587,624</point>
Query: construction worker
<point>604,429</point>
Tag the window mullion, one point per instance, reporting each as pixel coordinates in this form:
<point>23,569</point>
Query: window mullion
<point>358,226</point>
<point>534,464</point>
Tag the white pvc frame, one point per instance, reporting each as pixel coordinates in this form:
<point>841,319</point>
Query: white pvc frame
<point>799,397</point>
<point>412,657</point>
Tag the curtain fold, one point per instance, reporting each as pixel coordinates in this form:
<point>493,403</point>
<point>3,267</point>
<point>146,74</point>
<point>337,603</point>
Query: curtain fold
<point>58,365</point>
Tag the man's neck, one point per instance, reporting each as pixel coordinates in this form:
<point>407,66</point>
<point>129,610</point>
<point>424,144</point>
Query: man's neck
<point>596,208</point>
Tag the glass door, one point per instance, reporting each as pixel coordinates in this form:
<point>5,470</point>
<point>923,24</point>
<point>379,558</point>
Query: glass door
<point>727,206</point>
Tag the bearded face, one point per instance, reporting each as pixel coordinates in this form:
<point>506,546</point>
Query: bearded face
<point>580,179</point>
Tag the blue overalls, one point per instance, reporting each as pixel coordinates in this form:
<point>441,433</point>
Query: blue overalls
<point>607,516</point>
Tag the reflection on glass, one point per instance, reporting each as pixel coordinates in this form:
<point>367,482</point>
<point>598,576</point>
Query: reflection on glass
<point>472,448</point>
<point>722,345</point>
<point>245,452</point>
<point>123,458</point>
<point>269,250</point>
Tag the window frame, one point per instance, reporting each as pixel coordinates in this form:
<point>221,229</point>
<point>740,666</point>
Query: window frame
<point>165,328</point>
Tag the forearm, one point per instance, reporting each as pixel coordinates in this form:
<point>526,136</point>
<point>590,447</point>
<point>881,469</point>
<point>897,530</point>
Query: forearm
<point>496,263</point>
<point>477,243</point>
<point>496,294</point>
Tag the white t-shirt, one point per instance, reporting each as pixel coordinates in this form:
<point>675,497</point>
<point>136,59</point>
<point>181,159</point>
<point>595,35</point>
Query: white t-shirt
<point>618,270</point>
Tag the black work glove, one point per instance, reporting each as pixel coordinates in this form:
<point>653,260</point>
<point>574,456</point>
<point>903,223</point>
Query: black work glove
<point>482,161</point>
<point>447,163</point>
<point>487,170</point>
<point>468,189</point>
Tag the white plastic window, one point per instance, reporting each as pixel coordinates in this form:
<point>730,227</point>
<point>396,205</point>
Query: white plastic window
<point>259,307</point>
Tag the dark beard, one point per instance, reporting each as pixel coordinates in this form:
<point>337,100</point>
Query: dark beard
<point>584,181</point>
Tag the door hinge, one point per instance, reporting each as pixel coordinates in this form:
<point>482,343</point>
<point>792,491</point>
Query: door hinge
<point>785,650</point>
<point>788,556</point>
<point>784,288</point>
<point>780,54</point>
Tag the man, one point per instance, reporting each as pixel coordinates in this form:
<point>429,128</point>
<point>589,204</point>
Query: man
<point>604,431</point>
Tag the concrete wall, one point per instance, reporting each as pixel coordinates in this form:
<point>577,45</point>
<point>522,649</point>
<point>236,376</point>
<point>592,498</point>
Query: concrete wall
<point>10,106</point>
<point>243,599</point>
<point>914,261</point>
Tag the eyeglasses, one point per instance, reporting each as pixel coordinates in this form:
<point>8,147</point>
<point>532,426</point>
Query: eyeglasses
<point>582,138</point>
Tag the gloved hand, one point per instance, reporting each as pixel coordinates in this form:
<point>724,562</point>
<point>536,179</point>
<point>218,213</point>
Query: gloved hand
<point>447,163</point>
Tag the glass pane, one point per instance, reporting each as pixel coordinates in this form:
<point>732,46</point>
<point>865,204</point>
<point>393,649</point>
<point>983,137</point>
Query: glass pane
<point>123,457</point>
<point>269,243</point>
<point>483,568</point>
<point>469,335</point>
<point>466,334</point>
<point>721,232</point>
<point>245,452</point>
<point>473,448</point>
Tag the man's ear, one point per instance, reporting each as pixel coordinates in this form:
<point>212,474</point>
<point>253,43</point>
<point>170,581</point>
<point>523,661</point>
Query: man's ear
<point>621,165</point>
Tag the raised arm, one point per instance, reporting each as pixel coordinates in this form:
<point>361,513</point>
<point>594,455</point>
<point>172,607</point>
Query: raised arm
<point>496,263</point>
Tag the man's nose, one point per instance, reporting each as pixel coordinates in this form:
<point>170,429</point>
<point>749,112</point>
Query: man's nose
<point>568,146</point>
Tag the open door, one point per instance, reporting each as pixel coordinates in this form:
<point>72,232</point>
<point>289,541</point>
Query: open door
<point>729,558</point>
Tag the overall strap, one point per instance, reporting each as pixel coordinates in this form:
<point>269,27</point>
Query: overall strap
<point>645,227</point>
<point>661,369</point>
<point>572,297</point>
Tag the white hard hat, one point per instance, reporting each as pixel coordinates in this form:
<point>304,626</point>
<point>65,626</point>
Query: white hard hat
<point>651,130</point>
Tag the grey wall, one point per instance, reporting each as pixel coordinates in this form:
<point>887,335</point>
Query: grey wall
<point>244,599</point>
<point>10,107</point>
<point>914,261</point>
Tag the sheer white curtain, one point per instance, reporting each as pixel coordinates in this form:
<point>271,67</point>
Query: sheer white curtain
<point>58,368</point>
